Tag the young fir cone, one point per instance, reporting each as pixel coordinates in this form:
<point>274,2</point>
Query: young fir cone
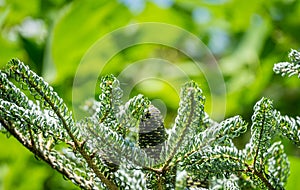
<point>152,134</point>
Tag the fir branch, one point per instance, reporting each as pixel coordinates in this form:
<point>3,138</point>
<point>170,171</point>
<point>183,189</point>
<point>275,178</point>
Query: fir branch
<point>36,84</point>
<point>187,105</point>
<point>262,130</point>
<point>106,149</point>
<point>278,166</point>
<point>13,94</point>
<point>216,161</point>
<point>44,155</point>
<point>216,134</point>
<point>290,128</point>
<point>289,68</point>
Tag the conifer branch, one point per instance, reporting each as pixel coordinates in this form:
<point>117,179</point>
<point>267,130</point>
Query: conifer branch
<point>289,68</point>
<point>124,145</point>
<point>38,153</point>
<point>33,81</point>
<point>184,131</point>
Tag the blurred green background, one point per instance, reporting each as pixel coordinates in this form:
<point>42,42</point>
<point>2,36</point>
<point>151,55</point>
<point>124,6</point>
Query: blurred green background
<point>246,38</point>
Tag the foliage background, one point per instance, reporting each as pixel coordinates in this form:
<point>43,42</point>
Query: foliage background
<point>246,38</point>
